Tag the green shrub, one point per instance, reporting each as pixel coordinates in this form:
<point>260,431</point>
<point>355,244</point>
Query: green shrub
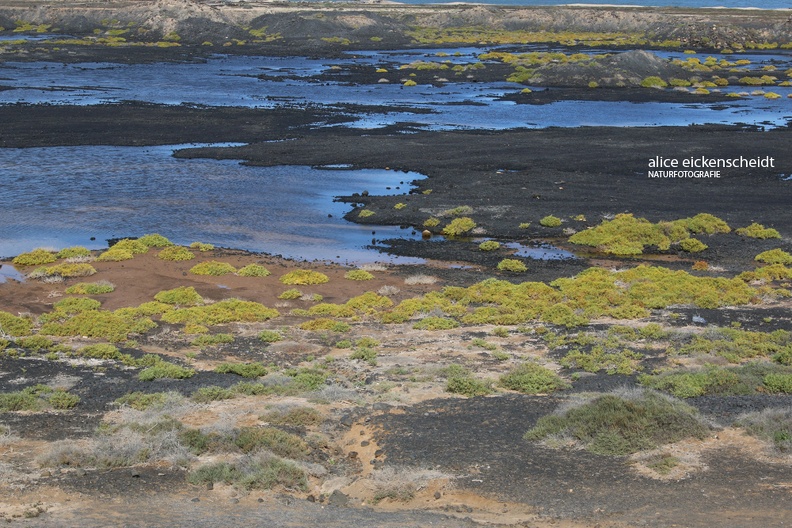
<point>291,294</point>
<point>155,240</point>
<point>295,417</point>
<point>435,323</point>
<point>264,474</point>
<point>358,275</point>
<point>513,265</point>
<point>467,385</point>
<point>600,357</point>
<point>550,221</point>
<point>304,278</point>
<point>758,231</point>
<point>774,256</point>
<point>253,270</point>
<point>181,296</point>
<point>459,226</point>
<point>36,257</point>
<point>250,439</point>
<point>225,311</point>
<point>212,393</point>
<point>99,324</point>
<point>489,245</point>
<point>369,355</point>
<point>321,324</point>
<point>14,326</point>
<point>458,211</point>
<point>68,270</point>
<point>213,268</point>
<point>200,246</point>
<point>63,400</point>
<point>141,400</point>
<point>366,213</point>
<point>431,222</point>
<point>115,255</point>
<point>773,425</point>
<point>692,245</point>
<point>530,378</point>
<point>73,305</point>
<point>136,247</point>
<point>270,336</point>
<point>164,369</point>
<point>745,379</point>
<point>619,425</point>
<point>35,343</point>
<point>778,383</point>
<point>72,252</point>
<point>246,370</point>
<point>176,254</point>
<point>90,288</point>
<point>653,82</point>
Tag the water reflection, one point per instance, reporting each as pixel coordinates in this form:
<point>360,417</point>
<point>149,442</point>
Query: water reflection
<point>63,196</point>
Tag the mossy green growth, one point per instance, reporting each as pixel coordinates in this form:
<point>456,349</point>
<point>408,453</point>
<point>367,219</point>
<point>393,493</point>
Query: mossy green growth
<point>141,401</point>
<point>366,213</point>
<point>532,378</point>
<point>36,398</point>
<point>73,252</point>
<point>270,336</point>
<point>246,370</point>
<point>692,245</point>
<point>550,221</point>
<point>436,323</point>
<point>115,255</point>
<point>74,305</point>
<point>617,425</point>
<point>291,294</point>
<point>459,226</point>
<point>737,345</point>
<point>201,246</point>
<point>15,326</point>
<point>653,82</point>
<point>513,265</point>
<point>90,288</point>
<point>358,275</point>
<point>213,268</point>
<point>165,370</point>
<point>774,256</point>
<point>207,340</point>
<point>758,231</point>
<point>35,343</point>
<point>304,277</point>
<point>154,240</point>
<point>489,245</point>
<point>225,311</point>
<point>325,324</point>
<point>113,326</point>
<point>253,270</point>
<point>725,381</point>
<point>67,270</point>
<point>469,386</point>
<point>36,257</point>
<point>181,296</point>
<point>264,474</point>
<point>176,254</point>
<point>136,247</point>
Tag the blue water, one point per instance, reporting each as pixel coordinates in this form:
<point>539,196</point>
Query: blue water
<point>233,81</point>
<point>62,196</point>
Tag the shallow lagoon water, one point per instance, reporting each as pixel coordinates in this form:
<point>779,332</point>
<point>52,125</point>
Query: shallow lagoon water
<point>233,81</point>
<point>62,196</point>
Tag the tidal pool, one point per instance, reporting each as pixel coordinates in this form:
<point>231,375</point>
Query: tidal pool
<point>62,196</point>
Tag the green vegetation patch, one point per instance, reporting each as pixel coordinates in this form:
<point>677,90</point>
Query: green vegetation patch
<point>136,247</point>
<point>113,326</point>
<point>304,277</point>
<point>325,324</point>
<point>213,268</point>
<point>201,246</point>
<point>115,255</point>
<point>36,257</point>
<point>294,417</point>
<point>358,275</point>
<point>15,326</point>
<point>74,305</point>
<point>226,311</point>
<point>745,379</point>
<point>37,398</point>
<point>246,370</point>
<point>208,340</point>
<point>489,245</point>
<point>90,288</point>
<point>67,270</point>
<point>181,296</point>
<point>73,252</point>
<point>176,254</point>
<point>270,336</point>
<point>163,369</point>
<point>143,400</point>
<point>513,265</point>
<point>617,425</point>
<point>247,474</point>
<point>436,323</point>
<point>550,221</point>
<point>460,380</point>
<point>737,345</point>
<point>154,240</point>
<point>250,439</point>
<point>772,425</point>
<point>758,231</point>
<point>253,270</point>
<point>459,226</point>
<point>212,393</point>
<point>774,256</point>
<point>531,378</point>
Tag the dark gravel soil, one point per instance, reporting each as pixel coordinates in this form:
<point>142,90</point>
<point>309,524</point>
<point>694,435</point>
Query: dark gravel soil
<point>481,440</point>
